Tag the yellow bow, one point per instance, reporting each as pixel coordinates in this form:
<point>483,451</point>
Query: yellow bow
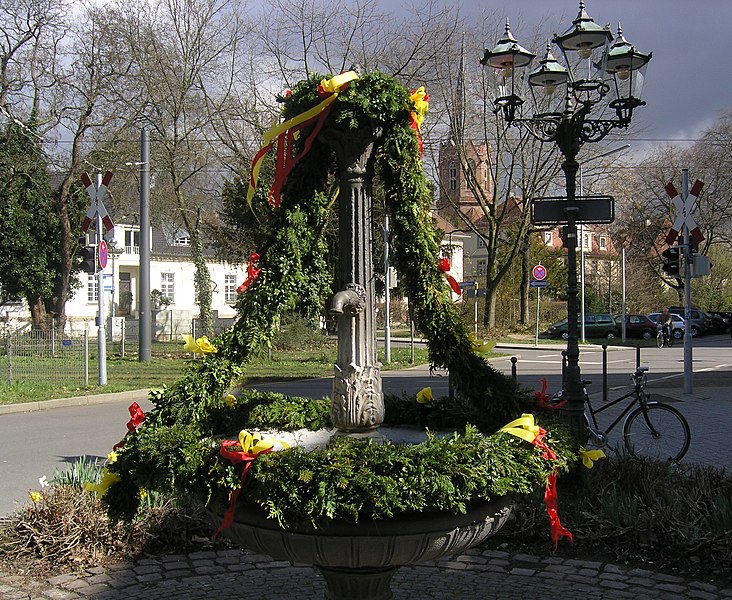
<point>254,444</point>
<point>523,427</point>
<point>590,456</point>
<point>424,396</point>
<point>199,346</point>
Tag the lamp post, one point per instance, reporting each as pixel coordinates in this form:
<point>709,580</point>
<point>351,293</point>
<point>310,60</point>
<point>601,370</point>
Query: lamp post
<point>568,103</point>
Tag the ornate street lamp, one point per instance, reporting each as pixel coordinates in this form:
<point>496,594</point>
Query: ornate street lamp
<point>568,105</point>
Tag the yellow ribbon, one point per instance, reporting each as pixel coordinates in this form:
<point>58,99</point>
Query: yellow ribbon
<point>523,427</point>
<point>421,105</point>
<point>332,86</point>
<point>589,457</point>
<point>480,346</point>
<point>108,479</point>
<point>424,396</point>
<point>255,444</point>
<point>199,346</point>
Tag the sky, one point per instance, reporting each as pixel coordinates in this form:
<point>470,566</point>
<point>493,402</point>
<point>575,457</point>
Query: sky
<point>689,79</point>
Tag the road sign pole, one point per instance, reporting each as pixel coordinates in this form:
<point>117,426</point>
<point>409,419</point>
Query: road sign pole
<point>101,336</point>
<point>688,375</point>
<point>538,296</point>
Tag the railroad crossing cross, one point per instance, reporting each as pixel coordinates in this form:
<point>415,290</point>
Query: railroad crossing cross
<point>97,206</point>
<point>684,206</point>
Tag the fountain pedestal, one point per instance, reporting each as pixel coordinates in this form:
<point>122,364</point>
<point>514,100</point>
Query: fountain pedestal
<point>357,407</point>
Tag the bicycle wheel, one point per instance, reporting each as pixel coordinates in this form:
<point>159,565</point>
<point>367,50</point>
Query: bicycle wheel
<point>669,441</point>
<point>659,339</point>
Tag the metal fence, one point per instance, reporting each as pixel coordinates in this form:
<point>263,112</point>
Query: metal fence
<point>42,356</point>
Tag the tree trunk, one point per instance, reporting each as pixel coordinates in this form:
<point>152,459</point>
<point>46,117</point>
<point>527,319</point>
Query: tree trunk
<point>525,276</point>
<point>38,313</point>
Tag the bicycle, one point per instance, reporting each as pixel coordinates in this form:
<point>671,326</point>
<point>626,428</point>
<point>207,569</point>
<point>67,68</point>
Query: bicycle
<point>664,336</point>
<point>651,429</point>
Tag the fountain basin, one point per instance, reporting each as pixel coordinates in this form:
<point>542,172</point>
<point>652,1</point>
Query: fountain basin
<point>358,560</point>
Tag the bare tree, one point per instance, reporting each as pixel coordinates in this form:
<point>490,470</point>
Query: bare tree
<point>184,55</point>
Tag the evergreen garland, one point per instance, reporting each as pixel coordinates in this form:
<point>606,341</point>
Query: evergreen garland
<point>177,446</point>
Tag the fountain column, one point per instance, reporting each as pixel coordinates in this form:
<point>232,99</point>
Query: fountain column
<point>357,407</point>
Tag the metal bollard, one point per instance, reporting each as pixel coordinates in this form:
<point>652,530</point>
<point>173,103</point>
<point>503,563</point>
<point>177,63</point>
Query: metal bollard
<point>604,372</point>
<point>513,367</point>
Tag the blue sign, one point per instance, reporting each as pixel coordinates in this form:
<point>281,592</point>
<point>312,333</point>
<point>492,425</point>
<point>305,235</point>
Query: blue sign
<point>538,284</point>
<point>66,343</point>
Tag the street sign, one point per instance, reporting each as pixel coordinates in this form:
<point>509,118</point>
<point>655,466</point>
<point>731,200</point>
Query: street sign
<point>539,272</point>
<point>590,209</point>
<point>103,254</point>
<point>538,284</point>
<point>684,206</point>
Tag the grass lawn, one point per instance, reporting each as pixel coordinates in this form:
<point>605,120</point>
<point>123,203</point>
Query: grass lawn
<point>129,374</point>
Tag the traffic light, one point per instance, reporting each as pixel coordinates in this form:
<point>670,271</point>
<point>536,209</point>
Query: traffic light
<point>672,257</point>
<point>88,257</point>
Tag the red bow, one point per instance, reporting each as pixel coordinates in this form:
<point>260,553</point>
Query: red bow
<point>543,400</point>
<point>252,273</point>
<point>235,456</point>
<point>138,416</point>
<point>444,266</point>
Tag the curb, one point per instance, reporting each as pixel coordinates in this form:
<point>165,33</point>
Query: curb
<point>129,395</point>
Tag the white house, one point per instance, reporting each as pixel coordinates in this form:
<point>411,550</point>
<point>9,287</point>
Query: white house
<point>172,276</point>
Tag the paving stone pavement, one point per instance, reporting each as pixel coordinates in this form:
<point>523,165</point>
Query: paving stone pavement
<point>476,574</point>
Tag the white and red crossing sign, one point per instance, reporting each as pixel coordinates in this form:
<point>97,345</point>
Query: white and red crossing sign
<point>684,206</point>
<point>97,206</point>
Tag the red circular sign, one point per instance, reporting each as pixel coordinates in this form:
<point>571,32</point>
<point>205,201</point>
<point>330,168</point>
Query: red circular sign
<point>539,272</point>
<point>103,254</point>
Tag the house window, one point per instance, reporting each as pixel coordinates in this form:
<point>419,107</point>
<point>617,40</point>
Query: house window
<point>452,176</point>
<point>132,241</point>
<point>182,240</point>
<point>92,289</point>
<point>481,242</point>
<point>230,288</point>
<point>481,267</point>
<point>587,241</point>
<point>548,238</point>
<point>603,242</point>
<point>167,286</point>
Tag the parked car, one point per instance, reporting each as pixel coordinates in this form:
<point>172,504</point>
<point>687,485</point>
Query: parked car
<point>678,326</point>
<point>596,325</point>
<point>699,323</point>
<point>721,321</point>
<point>637,326</point>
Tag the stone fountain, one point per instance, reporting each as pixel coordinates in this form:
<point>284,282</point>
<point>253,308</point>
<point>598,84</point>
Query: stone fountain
<point>359,560</point>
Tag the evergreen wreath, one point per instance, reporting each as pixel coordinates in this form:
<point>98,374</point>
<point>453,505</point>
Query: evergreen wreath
<point>179,440</point>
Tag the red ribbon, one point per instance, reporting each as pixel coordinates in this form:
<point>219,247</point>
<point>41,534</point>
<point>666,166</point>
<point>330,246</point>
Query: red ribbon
<point>556,528</point>
<point>444,266</point>
<point>543,400</point>
<point>235,457</point>
<point>253,272</point>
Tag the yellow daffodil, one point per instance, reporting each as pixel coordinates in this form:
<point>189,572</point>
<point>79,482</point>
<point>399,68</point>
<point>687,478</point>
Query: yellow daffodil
<point>199,346</point>
<point>424,396</point>
<point>590,456</point>
<point>35,496</point>
<point>230,400</point>
<point>112,456</point>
